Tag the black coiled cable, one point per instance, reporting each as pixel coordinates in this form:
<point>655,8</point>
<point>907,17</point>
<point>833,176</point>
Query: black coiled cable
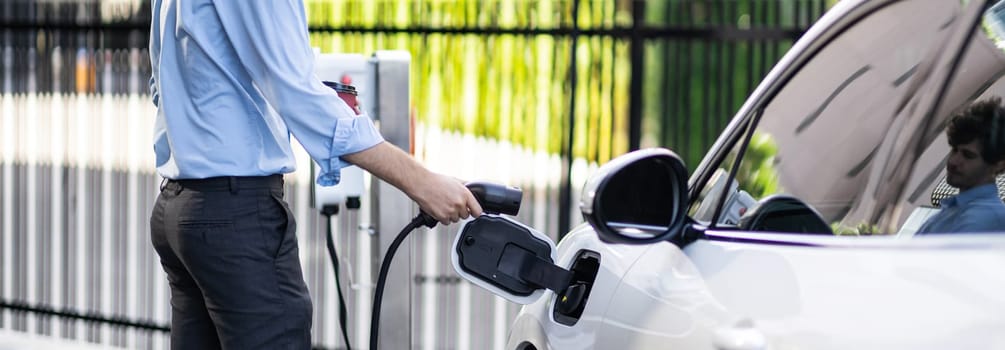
<point>328,211</point>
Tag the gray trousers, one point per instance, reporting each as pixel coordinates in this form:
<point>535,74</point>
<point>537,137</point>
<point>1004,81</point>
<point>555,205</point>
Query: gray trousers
<point>229,248</point>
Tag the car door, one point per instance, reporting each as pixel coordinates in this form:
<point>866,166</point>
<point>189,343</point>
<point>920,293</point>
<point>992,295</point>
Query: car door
<point>804,208</point>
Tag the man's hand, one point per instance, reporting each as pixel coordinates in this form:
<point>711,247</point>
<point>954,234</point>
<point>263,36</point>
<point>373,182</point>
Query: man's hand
<point>442,197</point>
<point>446,199</point>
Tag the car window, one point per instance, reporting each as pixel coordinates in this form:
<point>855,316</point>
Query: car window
<point>820,140</point>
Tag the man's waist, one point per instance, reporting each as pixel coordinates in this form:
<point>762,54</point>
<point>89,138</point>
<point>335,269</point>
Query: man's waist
<point>228,183</point>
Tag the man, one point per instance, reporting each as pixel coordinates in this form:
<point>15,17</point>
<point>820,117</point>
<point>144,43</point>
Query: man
<point>231,80</point>
<point>976,157</point>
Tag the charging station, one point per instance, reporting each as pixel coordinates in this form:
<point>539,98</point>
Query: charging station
<point>382,83</point>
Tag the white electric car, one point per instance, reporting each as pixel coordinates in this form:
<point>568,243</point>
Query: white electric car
<point>796,230</point>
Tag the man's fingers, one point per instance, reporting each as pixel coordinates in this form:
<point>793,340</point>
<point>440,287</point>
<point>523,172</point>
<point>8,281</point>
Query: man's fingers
<point>472,206</point>
<point>454,203</point>
<point>451,216</point>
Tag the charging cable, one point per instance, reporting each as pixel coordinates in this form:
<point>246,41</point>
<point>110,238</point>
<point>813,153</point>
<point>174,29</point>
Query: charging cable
<point>385,265</point>
<point>328,211</point>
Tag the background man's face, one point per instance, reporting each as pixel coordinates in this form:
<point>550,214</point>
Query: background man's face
<point>966,168</point>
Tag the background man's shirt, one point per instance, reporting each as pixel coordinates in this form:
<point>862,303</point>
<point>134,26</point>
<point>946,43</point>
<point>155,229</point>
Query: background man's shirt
<point>978,209</point>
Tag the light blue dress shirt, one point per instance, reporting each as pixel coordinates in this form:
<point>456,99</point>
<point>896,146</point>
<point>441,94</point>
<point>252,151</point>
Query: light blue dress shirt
<point>231,80</point>
<point>978,209</point>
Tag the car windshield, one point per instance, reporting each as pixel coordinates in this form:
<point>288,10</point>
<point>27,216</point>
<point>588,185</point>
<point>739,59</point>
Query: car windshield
<point>849,135</point>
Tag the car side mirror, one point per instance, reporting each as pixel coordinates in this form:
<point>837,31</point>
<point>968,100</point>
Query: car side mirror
<point>637,198</point>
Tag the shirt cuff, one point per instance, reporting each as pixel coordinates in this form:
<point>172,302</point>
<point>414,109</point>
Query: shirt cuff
<point>351,135</point>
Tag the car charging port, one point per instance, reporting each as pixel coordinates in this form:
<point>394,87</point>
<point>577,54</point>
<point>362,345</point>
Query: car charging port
<point>570,304</point>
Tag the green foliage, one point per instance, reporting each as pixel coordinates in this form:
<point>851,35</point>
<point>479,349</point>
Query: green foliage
<point>757,174</point>
<point>509,87</point>
<point>862,229</point>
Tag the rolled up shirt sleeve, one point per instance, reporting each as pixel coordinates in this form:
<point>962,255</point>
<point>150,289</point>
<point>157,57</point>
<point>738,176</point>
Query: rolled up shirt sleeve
<point>352,135</point>
<point>271,40</point>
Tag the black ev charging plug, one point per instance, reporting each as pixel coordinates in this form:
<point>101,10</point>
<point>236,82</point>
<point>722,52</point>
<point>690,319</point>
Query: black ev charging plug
<point>494,199</point>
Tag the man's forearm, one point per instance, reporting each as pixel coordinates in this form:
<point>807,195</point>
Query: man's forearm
<point>443,197</point>
<point>390,164</point>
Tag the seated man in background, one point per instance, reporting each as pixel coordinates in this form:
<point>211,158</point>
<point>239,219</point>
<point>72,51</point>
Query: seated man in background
<point>976,157</point>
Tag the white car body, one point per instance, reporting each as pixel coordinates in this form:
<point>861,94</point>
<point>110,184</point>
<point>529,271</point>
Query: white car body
<point>772,293</point>
<point>728,289</point>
